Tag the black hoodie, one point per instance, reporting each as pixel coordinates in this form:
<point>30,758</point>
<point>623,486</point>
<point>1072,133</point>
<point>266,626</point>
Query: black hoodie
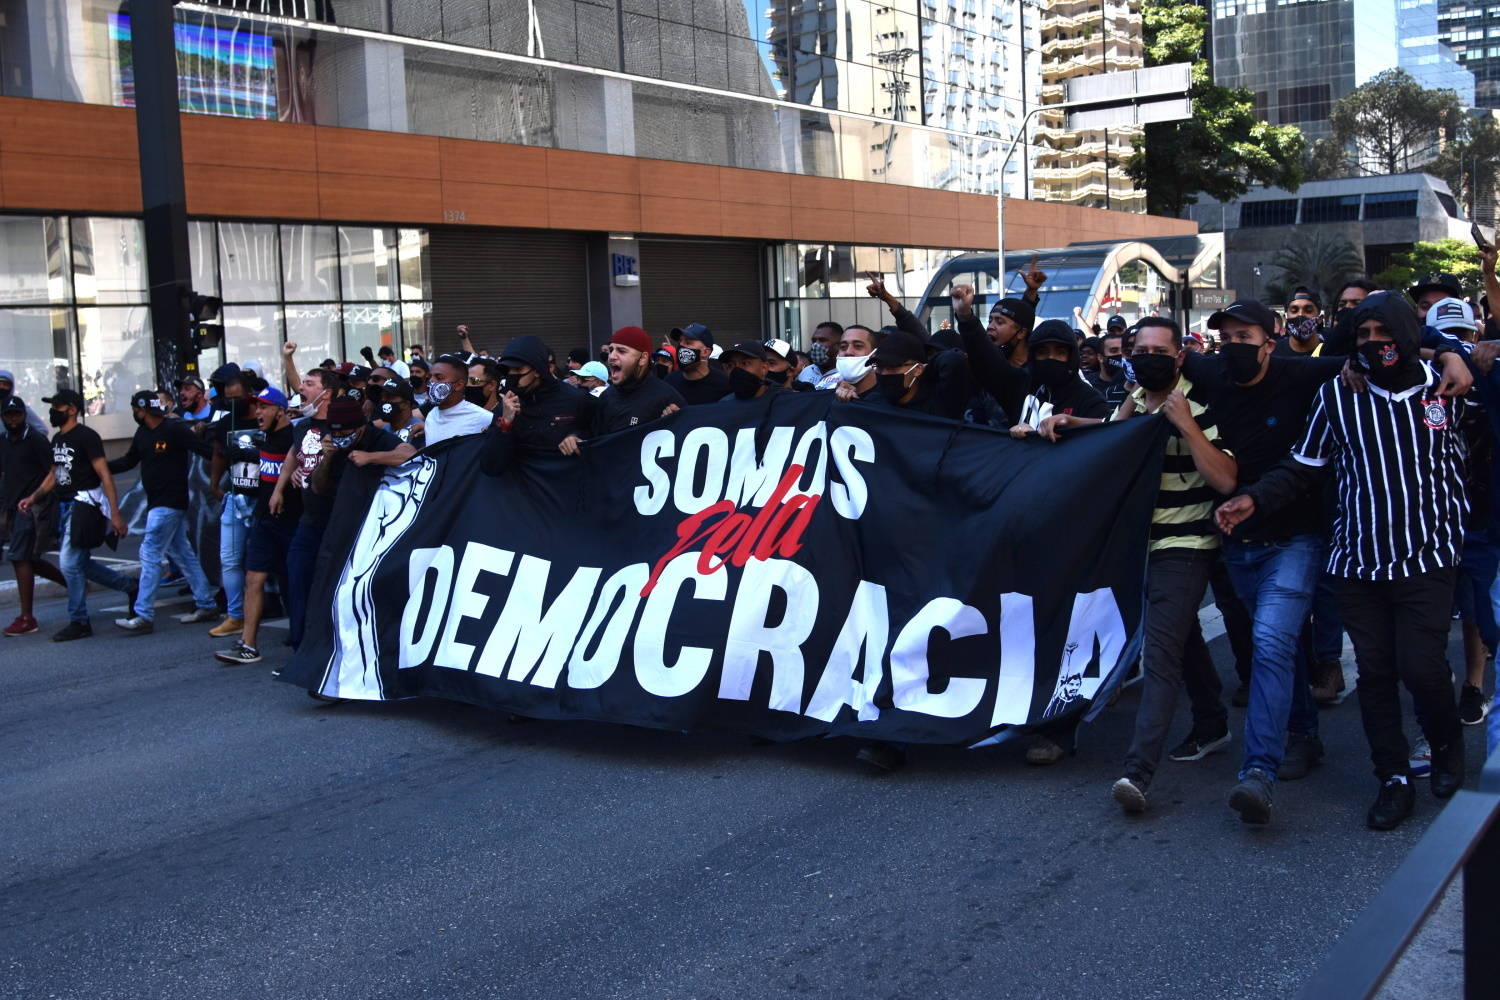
<point>550,412</point>
<point>1400,320</point>
<point>1073,396</point>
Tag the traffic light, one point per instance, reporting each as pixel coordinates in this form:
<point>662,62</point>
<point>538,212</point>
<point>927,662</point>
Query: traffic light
<point>205,332</point>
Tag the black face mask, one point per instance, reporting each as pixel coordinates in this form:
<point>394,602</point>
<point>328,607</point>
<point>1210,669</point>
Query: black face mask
<point>1241,361</point>
<point>1114,365</point>
<point>1154,372</point>
<point>387,411</point>
<point>1384,361</point>
<point>140,421</point>
<point>57,417</point>
<point>1052,373</point>
<point>687,357</point>
<point>777,378</point>
<point>239,408</point>
<point>358,395</point>
<point>475,394</point>
<point>744,384</point>
<point>892,387</point>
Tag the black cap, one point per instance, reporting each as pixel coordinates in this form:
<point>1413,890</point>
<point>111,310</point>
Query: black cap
<point>1436,282</point>
<point>579,355</point>
<point>1053,331</point>
<point>65,397</point>
<point>13,404</point>
<point>1116,322</point>
<point>398,387</point>
<point>749,348</point>
<point>898,347</point>
<point>188,380</point>
<point>1305,293</point>
<point>225,372</point>
<point>359,373</point>
<point>145,399</point>
<point>946,340</point>
<point>695,330</point>
<point>1246,311</point>
<point>1019,311</point>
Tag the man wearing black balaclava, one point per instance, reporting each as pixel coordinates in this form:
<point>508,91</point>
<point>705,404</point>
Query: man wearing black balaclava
<point>1398,456</point>
<point>1057,388</point>
<point>537,411</point>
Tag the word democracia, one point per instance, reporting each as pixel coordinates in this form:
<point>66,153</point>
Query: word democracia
<point>456,618</point>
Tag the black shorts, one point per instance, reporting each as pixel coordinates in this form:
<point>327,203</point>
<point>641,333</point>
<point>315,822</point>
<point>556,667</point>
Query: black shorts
<point>266,546</point>
<point>29,536</point>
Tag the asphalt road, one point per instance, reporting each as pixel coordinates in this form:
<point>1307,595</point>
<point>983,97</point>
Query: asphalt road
<point>175,829</point>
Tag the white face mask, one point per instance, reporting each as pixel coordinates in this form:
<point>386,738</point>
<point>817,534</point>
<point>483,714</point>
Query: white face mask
<point>310,407</point>
<point>853,369</point>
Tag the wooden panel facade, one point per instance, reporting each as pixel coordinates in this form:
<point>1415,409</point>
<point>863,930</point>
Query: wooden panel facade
<point>67,158</point>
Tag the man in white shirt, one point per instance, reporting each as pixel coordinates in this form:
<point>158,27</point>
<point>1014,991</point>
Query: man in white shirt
<point>452,416</point>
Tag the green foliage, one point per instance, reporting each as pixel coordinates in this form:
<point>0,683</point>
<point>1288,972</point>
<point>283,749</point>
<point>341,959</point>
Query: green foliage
<point>1320,263</point>
<point>1459,258</point>
<point>1471,163</point>
<point>1395,122</point>
<point>1224,147</point>
<point>1325,160</point>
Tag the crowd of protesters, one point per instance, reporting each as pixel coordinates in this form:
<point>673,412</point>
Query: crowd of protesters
<point>1327,472</point>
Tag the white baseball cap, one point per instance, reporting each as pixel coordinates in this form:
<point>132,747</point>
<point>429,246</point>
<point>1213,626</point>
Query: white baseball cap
<point>780,348</point>
<point>1452,314</point>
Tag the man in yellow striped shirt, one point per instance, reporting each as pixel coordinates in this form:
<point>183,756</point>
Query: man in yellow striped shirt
<point>1184,544</point>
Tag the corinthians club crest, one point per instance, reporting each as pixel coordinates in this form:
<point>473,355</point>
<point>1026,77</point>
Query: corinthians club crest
<point>1435,414</point>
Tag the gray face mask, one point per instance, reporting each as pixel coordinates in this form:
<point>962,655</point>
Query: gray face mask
<point>439,391</point>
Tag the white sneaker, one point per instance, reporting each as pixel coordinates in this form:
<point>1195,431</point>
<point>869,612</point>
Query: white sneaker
<point>199,615</point>
<point>135,624</point>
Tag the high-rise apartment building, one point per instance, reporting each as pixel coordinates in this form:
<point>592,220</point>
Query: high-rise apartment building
<point>1471,29</point>
<point>377,171</point>
<point>1083,38</point>
<point>1298,58</point>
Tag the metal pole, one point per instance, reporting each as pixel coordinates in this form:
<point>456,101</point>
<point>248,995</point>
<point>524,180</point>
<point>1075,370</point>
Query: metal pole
<point>163,191</point>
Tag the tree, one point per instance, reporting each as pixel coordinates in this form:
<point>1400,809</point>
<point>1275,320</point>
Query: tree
<point>1320,263</point>
<point>1224,147</point>
<point>1325,160</point>
<point>1394,122</point>
<point>1471,165</point>
<point>1459,258</point>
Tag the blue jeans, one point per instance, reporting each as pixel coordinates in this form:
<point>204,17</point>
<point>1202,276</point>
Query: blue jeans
<point>166,535</point>
<point>1276,582</point>
<point>301,564</point>
<point>234,529</point>
<point>78,568</point>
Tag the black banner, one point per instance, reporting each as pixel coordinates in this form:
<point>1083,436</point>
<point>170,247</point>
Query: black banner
<point>791,567</point>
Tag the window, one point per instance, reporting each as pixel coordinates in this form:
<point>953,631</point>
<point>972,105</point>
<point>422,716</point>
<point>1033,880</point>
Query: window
<point>1282,212</point>
<point>1449,205</point>
<point>1391,205</point>
<point>1340,208</point>
<point>1311,103</point>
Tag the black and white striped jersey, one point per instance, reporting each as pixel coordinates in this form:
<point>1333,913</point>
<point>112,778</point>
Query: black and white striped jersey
<point>1399,460</point>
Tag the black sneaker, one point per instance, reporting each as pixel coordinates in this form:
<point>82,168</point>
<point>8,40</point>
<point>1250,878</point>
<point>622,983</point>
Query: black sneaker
<point>1198,746</point>
<point>1251,798</point>
<point>239,654</point>
<point>1303,753</point>
<point>1448,768</point>
<point>73,630</point>
<point>1395,802</point>
<point>882,757</point>
<point>1472,706</point>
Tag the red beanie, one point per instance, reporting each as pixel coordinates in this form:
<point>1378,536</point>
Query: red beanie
<point>634,338</point>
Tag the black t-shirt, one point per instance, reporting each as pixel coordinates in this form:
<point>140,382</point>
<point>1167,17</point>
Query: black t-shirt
<point>73,454</point>
<point>165,455</point>
<point>24,461</point>
<point>1260,424</point>
<point>709,389</point>
<point>274,449</point>
<point>317,505</point>
<point>1284,349</point>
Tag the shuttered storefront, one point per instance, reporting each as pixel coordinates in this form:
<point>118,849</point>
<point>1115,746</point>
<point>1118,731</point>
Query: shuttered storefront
<point>504,283</point>
<point>696,281</point>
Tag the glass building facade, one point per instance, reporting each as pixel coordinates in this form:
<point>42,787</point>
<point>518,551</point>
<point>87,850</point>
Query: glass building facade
<point>1472,31</point>
<point>919,92</point>
<point>73,300</point>
<point>1298,57</point>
